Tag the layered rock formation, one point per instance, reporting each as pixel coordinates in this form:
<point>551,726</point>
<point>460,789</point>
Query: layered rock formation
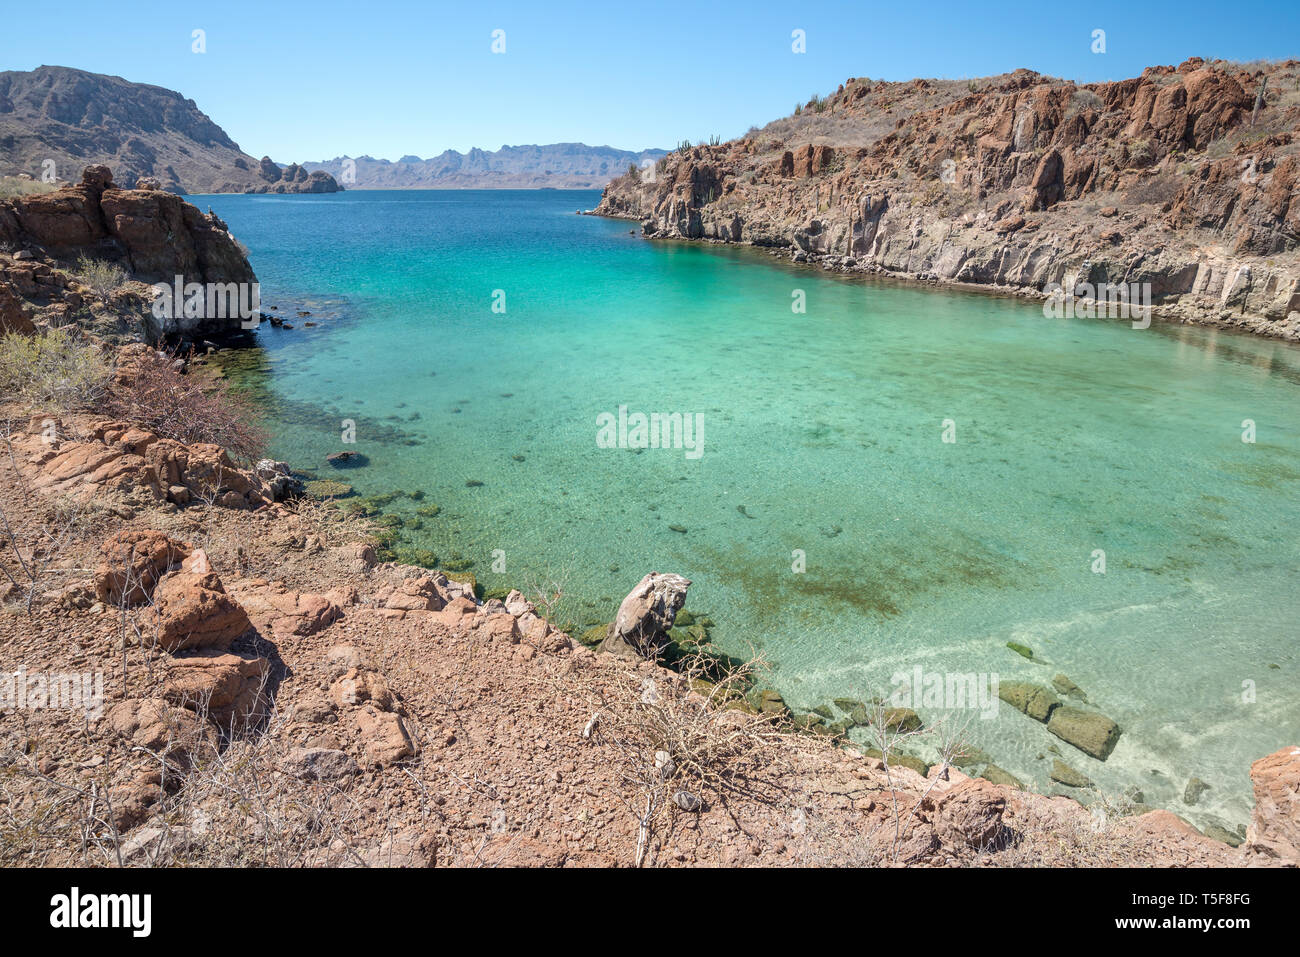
<point>152,234</point>
<point>1171,178</point>
<point>54,120</point>
<point>1274,832</point>
<point>156,234</point>
<point>116,457</point>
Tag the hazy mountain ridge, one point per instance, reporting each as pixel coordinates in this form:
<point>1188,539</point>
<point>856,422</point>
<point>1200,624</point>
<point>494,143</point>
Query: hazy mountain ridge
<point>556,165</point>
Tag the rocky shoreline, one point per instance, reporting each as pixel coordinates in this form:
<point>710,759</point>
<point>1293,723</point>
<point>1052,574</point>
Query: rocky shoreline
<point>276,689</point>
<point>1176,183</point>
<point>263,632</point>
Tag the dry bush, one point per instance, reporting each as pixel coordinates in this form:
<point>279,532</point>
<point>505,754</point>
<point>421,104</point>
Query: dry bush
<point>55,369</point>
<point>100,277</point>
<point>1156,190</point>
<point>35,556</point>
<point>1081,101</point>
<point>1102,837</point>
<point>680,741</point>
<point>216,807</point>
<point>332,525</point>
<point>151,390</point>
<point>14,186</point>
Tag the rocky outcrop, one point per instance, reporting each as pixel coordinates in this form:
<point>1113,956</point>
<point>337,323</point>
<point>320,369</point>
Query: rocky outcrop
<point>155,236</point>
<point>1016,184</point>
<point>283,611</point>
<point>131,564</point>
<point>115,457</point>
<point>229,689</point>
<point>970,815</point>
<point>192,610</point>
<point>167,730</point>
<point>1274,831</point>
<point>366,702</point>
<point>293,179</point>
<point>646,615</point>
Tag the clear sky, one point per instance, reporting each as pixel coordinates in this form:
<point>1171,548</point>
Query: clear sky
<point>310,81</point>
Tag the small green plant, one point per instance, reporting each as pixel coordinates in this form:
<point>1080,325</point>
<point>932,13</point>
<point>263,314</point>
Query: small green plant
<point>53,368</point>
<point>100,277</point>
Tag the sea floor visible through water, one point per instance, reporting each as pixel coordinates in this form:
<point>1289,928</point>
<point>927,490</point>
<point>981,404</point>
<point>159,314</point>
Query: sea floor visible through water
<point>949,470</point>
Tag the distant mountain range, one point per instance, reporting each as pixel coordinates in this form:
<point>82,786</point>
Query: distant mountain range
<point>557,165</point>
<point>55,120</point>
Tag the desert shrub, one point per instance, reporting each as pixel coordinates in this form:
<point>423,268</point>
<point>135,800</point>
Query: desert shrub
<point>150,389</point>
<point>54,368</point>
<point>101,277</point>
<point>1081,101</point>
<point>680,740</point>
<point>13,186</point>
<point>1141,153</point>
<point>1156,190</point>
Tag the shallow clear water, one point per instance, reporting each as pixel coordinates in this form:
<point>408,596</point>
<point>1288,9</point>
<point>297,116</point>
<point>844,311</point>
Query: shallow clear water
<point>823,432</point>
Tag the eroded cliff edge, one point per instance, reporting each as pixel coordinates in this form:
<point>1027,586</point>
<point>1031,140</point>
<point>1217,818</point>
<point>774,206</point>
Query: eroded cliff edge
<point>147,235</point>
<point>1185,178</point>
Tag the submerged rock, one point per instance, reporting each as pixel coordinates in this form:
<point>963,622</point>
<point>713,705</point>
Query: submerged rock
<point>1062,773</point>
<point>998,776</point>
<point>903,720</point>
<point>1031,699</point>
<point>767,701</point>
<point>327,488</point>
<point>1090,732</point>
<point>898,759</point>
<point>346,460</point>
<point>970,757</point>
<point>1218,832</point>
<point>1068,688</point>
<point>1195,788</point>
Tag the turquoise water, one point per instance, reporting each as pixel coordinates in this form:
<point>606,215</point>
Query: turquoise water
<point>823,432</point>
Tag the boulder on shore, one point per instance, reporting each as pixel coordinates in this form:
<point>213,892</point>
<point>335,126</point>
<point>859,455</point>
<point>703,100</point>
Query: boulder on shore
<point>646,615</point>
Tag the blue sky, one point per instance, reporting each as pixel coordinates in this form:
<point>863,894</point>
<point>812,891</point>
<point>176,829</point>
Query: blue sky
<point>391,77</point>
